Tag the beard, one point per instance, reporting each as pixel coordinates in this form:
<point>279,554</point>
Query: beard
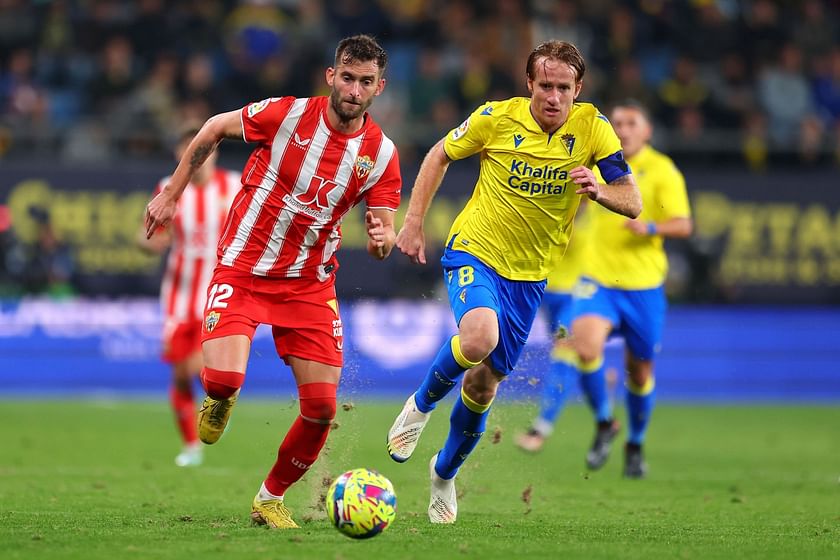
<point>346,115</point>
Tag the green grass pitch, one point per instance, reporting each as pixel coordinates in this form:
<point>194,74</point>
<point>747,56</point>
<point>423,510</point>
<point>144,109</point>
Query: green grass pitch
<point>89,480</point>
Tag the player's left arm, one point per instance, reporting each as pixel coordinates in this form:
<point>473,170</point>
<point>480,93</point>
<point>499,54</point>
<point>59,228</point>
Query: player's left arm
<point>671,215</point>
<point>621,195</point>
<point>379,223</point>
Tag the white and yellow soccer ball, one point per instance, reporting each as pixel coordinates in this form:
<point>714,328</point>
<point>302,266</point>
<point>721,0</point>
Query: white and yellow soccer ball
<point>361,503</point>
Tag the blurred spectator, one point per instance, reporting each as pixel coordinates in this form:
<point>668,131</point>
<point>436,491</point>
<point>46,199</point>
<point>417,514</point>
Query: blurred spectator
<point>784,93</point>
<point>76,78</point>
<point>827,86</point>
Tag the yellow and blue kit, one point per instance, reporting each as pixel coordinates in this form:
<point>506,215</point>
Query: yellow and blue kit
<point>522,209</point>
<point>624,273</point>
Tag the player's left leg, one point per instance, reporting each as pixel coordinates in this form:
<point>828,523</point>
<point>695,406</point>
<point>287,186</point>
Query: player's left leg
<point>467,424</point>
<point>643,315</point>
<point>317,384</point>
<point>640,402</point>
<point>183,405</point>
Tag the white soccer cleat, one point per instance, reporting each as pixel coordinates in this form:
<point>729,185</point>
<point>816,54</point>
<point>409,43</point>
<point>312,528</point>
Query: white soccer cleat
<point>405,433</point>
<point>443,507</point>
<point>191,456</point>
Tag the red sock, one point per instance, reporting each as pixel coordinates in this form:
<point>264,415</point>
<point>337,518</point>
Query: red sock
<point>184,409</point>
<point>306,437</point>
<point>221,384</point>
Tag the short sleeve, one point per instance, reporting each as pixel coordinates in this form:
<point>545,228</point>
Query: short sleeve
<point>606,150</point>
<point>261,119</point>
<point>673,196</point>
<point>386,192</point>
<point>472,135</point>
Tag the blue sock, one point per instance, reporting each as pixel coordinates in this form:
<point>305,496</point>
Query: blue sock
<point>443,375</point>
<point>593,381</point>
<point>466,426</point>
<point>640,401</point>
<point>557,387</point>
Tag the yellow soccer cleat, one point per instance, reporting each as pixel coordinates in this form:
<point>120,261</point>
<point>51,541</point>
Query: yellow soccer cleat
<point>272,513</point>
<point>213,417</point>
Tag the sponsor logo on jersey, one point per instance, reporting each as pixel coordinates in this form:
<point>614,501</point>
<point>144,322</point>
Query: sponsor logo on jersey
<point>539,180</point>
<point>517,139</point>
<point>487,110</point>
<point>211,321</point>
<point>463,296</point>
<point>302,142</point>
<point>364,165</point>
<point>461,130</point>
<point>255,108</point>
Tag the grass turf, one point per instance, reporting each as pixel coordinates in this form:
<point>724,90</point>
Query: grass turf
<point>86,479</point>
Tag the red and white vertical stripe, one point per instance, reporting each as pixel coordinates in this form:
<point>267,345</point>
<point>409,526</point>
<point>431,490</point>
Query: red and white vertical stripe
<point>196,229</point>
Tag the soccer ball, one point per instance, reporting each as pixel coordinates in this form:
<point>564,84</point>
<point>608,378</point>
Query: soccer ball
<point>361,503</point>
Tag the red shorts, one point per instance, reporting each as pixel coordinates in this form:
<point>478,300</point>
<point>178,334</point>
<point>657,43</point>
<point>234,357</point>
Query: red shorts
<point>180,340</point>
<point>303,313</point>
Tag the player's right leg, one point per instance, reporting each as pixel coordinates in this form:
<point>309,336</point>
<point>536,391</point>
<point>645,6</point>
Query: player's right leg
<point>225,359</point>
<point>478,334</point>
<point>589,332</point>
<point>442,376</point>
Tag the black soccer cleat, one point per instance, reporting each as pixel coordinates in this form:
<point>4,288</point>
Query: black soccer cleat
<point>600,450</point>
<point>634,461</point>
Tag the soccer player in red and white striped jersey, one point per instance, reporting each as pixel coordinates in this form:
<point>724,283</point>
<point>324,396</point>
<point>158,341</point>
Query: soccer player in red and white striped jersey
<point>315,159</point>
<point>192,237</point>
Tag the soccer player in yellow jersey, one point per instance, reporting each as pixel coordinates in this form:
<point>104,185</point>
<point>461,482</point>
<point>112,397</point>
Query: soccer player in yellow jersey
<point>557,305</point>
<point>536,155</point>
<point>621,289</point>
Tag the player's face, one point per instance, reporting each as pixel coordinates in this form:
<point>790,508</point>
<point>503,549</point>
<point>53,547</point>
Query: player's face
<point>632,128</point>
<point>354,85</point>
<point>553,90</point>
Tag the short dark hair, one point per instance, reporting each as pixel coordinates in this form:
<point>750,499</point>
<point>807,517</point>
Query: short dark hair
<point>557,50</point>
<point>361,48</point>
<point>635,104</point>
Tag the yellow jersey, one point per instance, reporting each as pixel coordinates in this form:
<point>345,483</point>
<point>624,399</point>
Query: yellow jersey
<point>566,268</point>
<point>621,259</point>
<point>524,202</point>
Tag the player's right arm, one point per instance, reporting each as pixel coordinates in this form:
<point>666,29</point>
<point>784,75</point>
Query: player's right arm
<point>161,209</point>
<point>411,239</point>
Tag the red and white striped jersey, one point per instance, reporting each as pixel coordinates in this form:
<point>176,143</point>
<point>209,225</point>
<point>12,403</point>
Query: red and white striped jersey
<point>299,183</point>
<point>196,229</point>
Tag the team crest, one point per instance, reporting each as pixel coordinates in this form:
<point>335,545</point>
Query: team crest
<point>568,141</point>
<point>363,166</point>
<point>211,321</point>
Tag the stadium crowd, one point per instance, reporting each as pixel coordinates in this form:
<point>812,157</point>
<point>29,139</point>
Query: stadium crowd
<point>747,80</point>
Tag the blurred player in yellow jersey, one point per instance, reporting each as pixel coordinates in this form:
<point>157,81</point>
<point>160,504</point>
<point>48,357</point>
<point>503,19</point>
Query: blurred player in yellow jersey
<point>536,158</point>
<point>557,305</point>
<point>622,289</point>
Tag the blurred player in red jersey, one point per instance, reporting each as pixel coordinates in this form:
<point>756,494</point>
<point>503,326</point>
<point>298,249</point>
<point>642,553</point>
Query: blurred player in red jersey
<point>315,158</point>
<point>192,236</point>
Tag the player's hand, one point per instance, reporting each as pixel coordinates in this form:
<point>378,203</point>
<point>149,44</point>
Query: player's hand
<point>375,230</point>
<point>587,184</point>
<point>412,241</point>
<point>637,226</point>
<point>159,213</point>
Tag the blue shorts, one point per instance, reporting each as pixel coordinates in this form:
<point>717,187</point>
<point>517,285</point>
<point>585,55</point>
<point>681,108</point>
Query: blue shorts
<point>639,315</point>
<point>471,284</point>
<point>558,309</point>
